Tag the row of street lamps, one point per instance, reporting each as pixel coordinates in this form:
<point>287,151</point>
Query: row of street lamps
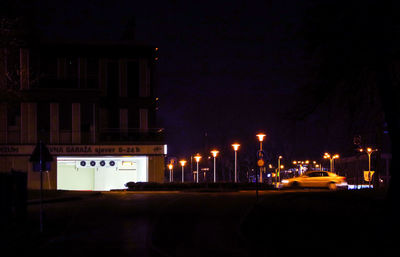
<point>261,163</point>
<point>214,153</point>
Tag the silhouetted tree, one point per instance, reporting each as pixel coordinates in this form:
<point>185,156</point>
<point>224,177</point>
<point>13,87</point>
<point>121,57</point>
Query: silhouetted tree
<point>16,32</point>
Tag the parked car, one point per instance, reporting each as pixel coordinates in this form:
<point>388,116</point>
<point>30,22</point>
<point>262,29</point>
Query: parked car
<point>316,179</point>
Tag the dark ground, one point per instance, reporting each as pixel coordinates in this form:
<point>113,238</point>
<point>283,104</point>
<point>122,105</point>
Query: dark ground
<point>282,223</point>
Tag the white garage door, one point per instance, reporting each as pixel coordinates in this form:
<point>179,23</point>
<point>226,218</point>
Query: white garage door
<point>100,173</point>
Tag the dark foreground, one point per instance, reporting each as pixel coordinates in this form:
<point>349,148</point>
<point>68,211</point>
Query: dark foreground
<point>281,223</point>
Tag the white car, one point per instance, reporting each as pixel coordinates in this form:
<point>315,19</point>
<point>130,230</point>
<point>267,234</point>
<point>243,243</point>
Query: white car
<point>321,179</point>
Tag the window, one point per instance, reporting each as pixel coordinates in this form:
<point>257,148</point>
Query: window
<point>92,73</point>
<point>43,121</point>
<point>71,68</point>
<point>13,115</point>
<point>112,79</point>
<point>48,72</point>
<point>133,117</point>
<point>133,78</point>
<point>86,116</point>
<point>65,116</point>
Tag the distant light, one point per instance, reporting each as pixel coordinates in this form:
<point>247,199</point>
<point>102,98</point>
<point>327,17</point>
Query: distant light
<point>182,162</point>
<point>261,136</point>
<point>236,146</point>
<point>170,166</point>
<point>197,157</point>
<point>214,153</point>
<point>165,149</point>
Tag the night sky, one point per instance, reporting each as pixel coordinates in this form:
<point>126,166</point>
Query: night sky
<point>226,69</point>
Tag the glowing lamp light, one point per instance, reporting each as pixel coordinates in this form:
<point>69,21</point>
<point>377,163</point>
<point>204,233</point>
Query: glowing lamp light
<point>126,163</point>
<point>214,153</point>
<point>182,162</point>
<point>261,137</point>
<point>170,166</point>
<point>235,146</point>
<point>336,156</point>
<point>197,158</point>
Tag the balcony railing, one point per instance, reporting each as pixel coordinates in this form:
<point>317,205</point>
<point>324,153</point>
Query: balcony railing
<point>131,135</point>
<point>104,136</point>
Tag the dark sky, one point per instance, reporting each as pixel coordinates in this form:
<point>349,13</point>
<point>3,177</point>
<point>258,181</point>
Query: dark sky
<point>227,69</point>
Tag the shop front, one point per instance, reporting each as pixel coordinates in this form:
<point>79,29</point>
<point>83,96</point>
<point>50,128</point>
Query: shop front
<point>90,167</point>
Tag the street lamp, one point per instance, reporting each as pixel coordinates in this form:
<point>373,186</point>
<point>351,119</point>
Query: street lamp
<point>171,172</point>
<point>261,139</point>
<point>279,169</point>
<point>369,151</point>
<point>183,163</point>
<point>236,148</point>
<point>214,154</point>
<point>197,158</point>
<point>331,159</point>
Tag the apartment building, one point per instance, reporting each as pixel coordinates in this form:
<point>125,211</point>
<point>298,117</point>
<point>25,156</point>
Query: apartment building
<point>93,104</point>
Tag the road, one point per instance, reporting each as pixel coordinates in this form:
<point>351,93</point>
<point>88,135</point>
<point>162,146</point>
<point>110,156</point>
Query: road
<point>208,224</point>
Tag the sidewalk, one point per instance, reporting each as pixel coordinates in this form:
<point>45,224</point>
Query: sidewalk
<point>51,196</point>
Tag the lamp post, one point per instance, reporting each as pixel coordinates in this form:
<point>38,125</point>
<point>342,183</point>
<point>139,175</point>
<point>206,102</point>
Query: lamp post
<point>279,170</point>
<point>214,154</point>
<point>183,163</point>
<point>331,159</point>
<point>197,158</point>
<point>236,148</point>
<point>171,172</point>
<point>260,139</point>
<point>369,151</point>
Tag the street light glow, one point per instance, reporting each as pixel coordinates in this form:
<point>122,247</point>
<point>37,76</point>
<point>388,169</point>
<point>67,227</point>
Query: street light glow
<point>214,153</point>
<point>261,137</point>
<point>236,146</point>
<point>197,157</point>
<point>182,162</point>
<point>170,166</point>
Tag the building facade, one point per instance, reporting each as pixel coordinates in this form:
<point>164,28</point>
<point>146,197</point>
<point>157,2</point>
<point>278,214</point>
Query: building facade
<point>93,104</point>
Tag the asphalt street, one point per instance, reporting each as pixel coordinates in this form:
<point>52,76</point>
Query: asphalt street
<point>208,224</point>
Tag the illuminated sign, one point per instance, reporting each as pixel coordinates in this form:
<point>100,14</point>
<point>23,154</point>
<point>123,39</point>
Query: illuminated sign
<point>86,149</point>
